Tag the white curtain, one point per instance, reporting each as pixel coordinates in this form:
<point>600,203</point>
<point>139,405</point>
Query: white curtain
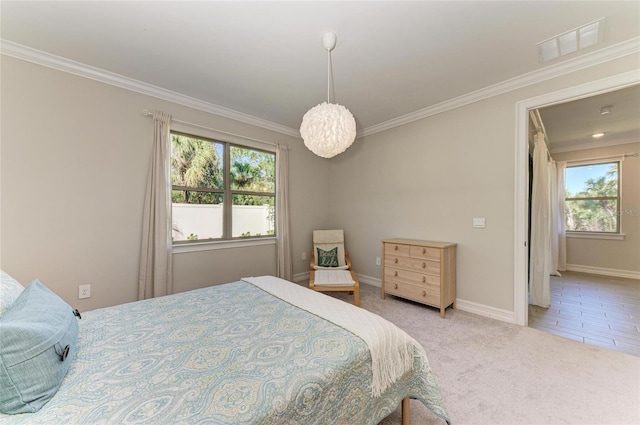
<point>284,268</point>
<point>154,278</point>
<point>540,262</point>
<point>561,233</point>
<point>555,219</point>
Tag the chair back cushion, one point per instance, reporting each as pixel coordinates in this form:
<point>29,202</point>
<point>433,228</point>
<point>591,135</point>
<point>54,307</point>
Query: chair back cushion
<point>328,249</point>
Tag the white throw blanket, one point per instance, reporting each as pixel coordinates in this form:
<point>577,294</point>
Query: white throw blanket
<point>391,348</point>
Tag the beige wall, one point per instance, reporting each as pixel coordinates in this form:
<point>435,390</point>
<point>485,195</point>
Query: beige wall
<point>430,178</point>
<point>73,152</point>
<point>624,255</point>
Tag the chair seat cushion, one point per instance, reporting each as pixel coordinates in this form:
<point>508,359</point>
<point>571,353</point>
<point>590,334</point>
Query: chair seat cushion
<point>333,278</point>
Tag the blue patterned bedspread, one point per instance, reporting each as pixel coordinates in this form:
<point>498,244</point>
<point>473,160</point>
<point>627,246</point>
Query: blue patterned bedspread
<point>227,354</point>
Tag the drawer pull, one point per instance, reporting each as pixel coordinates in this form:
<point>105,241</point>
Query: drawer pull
<point>395,261</point>
<point>395,248</point>
<point>424,265</point>
<point>424,250</point>
<point>424,279</point>
<point>424,293</point>
<point>395,273</point>
<point>395,286</point>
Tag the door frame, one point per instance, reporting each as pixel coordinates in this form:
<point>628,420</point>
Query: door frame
<point>521,192</point>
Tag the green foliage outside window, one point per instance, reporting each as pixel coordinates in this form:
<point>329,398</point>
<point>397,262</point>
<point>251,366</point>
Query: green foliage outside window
<point>593,205</point>
<point>252,171</point>
<point>198,176</point>
<point>195,163</point>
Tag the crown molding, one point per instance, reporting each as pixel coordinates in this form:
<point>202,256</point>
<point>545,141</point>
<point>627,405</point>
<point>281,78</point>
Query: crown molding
<point>28,54</point>
<point>606,54</point>
<point>39,57</point>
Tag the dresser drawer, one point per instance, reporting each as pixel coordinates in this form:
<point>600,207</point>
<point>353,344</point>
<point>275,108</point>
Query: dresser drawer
<point>413,264</point>
<point>422,294</point>
<point>392,274</point>
<point>398,250</point>
<point>425,252</point>
<point>422,271</point>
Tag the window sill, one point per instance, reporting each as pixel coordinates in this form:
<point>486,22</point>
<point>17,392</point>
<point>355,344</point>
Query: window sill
<point>588,235</point>
<point>215,245</point>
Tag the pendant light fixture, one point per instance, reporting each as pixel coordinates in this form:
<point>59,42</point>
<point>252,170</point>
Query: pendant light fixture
<point>328,129</point>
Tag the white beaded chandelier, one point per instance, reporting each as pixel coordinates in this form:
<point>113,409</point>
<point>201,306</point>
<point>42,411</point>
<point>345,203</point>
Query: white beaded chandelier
<point>328,129</point>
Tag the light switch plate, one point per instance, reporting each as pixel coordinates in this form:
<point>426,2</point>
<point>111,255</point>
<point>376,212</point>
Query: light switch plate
<point>479,222</point>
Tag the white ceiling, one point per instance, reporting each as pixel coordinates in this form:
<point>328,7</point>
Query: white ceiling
<point>572,124</point>
<point>266,59</point>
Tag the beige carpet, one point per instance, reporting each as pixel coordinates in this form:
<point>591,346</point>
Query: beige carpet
<point>491,372</point>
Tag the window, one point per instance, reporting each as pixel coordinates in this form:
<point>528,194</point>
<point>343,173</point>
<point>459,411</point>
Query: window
<point>592,197</point>
<point>220,190</point>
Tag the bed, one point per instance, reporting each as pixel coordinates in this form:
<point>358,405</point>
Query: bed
<point>237,353</point>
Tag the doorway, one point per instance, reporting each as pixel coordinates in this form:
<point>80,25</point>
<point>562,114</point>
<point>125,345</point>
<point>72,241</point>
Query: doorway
<point>522,174</point>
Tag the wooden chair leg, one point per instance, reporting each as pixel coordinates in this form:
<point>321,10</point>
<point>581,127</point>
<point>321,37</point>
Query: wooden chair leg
<point>406,416</point>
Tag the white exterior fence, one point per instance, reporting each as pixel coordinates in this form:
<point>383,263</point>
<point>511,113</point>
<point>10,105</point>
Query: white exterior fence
<point>204,221</point>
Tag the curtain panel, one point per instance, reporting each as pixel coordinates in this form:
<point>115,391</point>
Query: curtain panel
<point>561,231</point>
<point>284,267</point>
<point>154,278</point>
<point>541,247</point>
<point>555,218</point>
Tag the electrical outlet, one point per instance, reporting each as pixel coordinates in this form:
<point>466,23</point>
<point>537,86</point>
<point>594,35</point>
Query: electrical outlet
<point>377,261</point>
<point>84,291</point>
<point>303,256</point>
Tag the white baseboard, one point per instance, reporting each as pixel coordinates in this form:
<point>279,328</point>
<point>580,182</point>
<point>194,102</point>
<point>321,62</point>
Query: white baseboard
<point>373,281</point>
<point>628,274</point>
<point>486,311</point>
<point>468,306</point>
<point>492,312</point>
<point>301,277</point>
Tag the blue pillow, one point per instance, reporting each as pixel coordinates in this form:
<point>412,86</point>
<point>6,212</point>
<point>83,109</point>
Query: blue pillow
<point>39,334</point>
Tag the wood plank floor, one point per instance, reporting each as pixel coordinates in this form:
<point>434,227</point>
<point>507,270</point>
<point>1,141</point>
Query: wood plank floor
<point>597,310</point>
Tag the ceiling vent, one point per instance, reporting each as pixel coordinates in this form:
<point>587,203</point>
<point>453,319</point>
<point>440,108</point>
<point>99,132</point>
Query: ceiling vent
<point>571,41</point>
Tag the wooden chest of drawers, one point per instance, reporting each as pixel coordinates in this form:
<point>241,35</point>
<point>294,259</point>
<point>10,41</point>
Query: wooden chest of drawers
<point>421,271</point>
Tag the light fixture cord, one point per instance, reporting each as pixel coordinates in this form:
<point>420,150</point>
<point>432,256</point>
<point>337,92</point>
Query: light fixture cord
<point>328,75</point>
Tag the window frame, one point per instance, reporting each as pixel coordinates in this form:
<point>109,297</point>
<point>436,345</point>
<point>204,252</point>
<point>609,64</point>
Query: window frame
<point>617,234</point>
<point>227,240</point>
<point>228,224</point>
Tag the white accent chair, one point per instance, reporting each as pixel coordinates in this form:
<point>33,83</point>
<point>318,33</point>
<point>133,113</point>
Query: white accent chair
<point>330,265</point>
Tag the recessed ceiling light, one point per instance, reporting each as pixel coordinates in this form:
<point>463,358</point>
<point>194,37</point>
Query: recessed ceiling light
<point>571,41</point>
<point>597,135</point>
